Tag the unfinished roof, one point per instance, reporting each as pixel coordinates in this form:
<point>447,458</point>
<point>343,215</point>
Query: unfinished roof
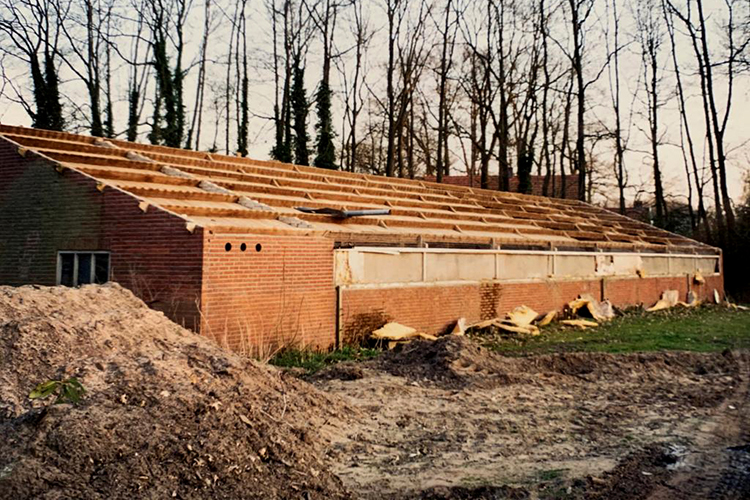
<point>231,194</point>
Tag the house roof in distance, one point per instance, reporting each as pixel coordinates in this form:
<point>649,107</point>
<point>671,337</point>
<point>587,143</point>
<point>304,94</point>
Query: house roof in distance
<point>554,186</point>
<point>232,194</point>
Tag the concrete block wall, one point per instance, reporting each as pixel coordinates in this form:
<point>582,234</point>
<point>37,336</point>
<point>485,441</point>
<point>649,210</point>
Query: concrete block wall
<point>278,290</point>
<point>43,211</point>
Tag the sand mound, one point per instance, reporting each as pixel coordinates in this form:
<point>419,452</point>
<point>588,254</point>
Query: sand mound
<point>167,413</point>
<point>457,361</point>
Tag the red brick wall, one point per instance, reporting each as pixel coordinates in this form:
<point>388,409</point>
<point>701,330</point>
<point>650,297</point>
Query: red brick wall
<point>282,294</point>
<point>537,184</point>
<point>630,291</point>
<point>435,309</point>
<point>429,308</point>
<point>43,211</point>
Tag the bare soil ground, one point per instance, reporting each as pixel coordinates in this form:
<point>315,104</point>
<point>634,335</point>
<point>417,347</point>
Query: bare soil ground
<point>451,420</point>
<point>167,413</point>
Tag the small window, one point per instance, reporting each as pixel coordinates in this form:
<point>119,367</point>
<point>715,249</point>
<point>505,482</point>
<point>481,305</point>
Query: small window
<point>81,268</point>
<point>101,268</point>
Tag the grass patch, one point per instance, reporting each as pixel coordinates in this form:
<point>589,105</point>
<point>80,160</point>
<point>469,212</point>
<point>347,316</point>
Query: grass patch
<point>550,474</point>
<point>313,361</point>
<point>703,329</point>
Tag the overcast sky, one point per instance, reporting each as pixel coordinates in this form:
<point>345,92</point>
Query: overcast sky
<point>261,129</point>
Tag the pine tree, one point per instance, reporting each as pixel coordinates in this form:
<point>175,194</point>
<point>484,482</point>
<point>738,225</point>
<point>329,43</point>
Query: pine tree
<point>299,111</point>
<point>326,152</point>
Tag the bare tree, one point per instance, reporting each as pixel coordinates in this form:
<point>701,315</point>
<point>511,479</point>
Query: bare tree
<point>716,121</point>
<point>85,32</point>
<point>580,11</point>
<point>685,132</point>
<point>359,27</point>
<point>395,13</point>
<point>651,38</point>
<point>614,87</point>
<point>447,27</point>
<point>200,90</point>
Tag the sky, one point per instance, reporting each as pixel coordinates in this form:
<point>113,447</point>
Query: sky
<point>638,161</point>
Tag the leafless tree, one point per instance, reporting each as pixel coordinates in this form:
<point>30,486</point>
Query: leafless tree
<point>85,33</point>
<point>614,87</point>
<point>353,86</point>
<point>651,38</point>
<point>694,22</point>
<point>447,27</point>
<point>200,90</point>
<point>580,11</point>
<point>686,136</point>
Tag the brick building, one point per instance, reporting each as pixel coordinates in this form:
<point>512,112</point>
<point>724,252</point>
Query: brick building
<point>554,184</point>
<point>219,244</point>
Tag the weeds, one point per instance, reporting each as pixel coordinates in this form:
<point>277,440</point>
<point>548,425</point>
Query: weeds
<point>312,361</point>
<point>69,390</point>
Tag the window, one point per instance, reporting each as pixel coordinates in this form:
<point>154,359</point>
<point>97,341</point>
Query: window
<point>81,268</point>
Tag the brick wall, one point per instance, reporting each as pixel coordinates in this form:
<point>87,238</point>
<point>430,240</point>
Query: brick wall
<point>278,290</point>
<point>630,291</point>
<point>429,308</point>
<point>435,309</point>
<point>554,187</point>
<point>43,211</point>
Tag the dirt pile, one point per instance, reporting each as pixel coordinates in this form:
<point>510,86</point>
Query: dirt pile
<point>452,361</point>
<point>166,414</point>
<point>457,361</point>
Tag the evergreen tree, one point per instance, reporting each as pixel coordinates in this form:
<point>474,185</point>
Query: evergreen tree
<point>326,151</point>
<point>53,106</point>
<point>242,132</point>
<point>46,95</point>
<point>299,111</point>
<point>277,151</point>
<point>133,97</point>
<point>168,95</point>
<point>525,164</point>
<point>155,136</point>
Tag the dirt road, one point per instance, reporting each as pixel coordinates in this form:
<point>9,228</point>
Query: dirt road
<point>451,420</point>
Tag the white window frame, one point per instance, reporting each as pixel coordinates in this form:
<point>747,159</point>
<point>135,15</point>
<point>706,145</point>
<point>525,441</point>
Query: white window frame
<point>75,254</point>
